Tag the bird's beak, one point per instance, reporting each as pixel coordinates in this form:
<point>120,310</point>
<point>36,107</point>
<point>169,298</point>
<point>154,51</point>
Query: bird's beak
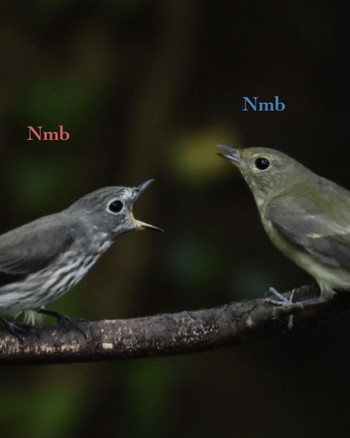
<point>142,187</point>
<point>142,225</point>
<point>233,154</point>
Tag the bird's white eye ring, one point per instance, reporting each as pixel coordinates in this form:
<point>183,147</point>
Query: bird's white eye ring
<point>115,206</point>
<point>262,163</point>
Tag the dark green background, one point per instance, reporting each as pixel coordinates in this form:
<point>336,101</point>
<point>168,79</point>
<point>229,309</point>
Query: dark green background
<point>146,89</point>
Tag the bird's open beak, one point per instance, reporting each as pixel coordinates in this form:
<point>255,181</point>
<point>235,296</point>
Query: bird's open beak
<point>233,154</point>
<point>142,187</point>
<point>142,225</point>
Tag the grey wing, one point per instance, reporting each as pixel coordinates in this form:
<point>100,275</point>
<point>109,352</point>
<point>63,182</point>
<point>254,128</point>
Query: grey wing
<point>32,247</point>
<point>321,234</point>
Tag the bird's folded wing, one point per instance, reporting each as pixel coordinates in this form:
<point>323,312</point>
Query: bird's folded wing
<point>32,247</point>
<point>322,234</point>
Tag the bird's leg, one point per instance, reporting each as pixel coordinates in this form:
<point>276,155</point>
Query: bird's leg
<point>281,300</point>
<point>65,321</point>
<point>18,329</point>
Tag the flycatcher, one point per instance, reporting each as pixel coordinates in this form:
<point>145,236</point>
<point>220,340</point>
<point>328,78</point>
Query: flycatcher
<point>44,259</point>
<point>306,216</point>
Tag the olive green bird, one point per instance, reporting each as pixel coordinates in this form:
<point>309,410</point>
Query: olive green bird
<point>305,215</point>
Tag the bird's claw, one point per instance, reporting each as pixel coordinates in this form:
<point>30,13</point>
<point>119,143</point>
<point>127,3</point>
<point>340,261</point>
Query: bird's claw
<point>281,300</point>
<point>19,330</point>
<point>65,321</point>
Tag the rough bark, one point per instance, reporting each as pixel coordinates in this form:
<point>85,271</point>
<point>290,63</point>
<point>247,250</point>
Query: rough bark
<point>167,334</point>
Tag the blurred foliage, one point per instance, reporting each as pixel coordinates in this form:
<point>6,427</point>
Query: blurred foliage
<point>147,89</point>
<point>191,155</point>
<point>61,99</point>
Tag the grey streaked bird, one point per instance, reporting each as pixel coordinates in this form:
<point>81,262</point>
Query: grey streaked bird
<point>44,259</point>
<point>305,215</point>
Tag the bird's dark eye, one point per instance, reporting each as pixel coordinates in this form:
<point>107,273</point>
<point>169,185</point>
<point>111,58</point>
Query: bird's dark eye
<point>262,163</point>
<point>115,206</point>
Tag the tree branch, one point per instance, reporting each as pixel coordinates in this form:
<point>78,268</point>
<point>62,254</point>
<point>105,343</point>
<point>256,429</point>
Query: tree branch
<point>166,334</point>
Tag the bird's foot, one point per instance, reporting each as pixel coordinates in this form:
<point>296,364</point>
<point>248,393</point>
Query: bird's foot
<point>281,300</point>
<point>19,330</point>
<point>65,321</point>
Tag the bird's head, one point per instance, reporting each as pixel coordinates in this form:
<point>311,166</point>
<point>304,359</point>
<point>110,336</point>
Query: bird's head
<point>110,210</point>
<point>266,171</point>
